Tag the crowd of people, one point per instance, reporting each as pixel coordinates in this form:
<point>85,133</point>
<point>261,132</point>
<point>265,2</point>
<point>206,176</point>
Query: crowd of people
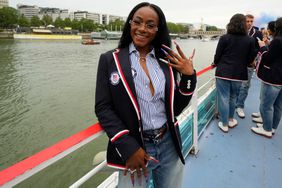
<point>241,51</point>
<point>143,85</point>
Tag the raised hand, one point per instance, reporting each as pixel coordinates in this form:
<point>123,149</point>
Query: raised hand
<point>179,61</point>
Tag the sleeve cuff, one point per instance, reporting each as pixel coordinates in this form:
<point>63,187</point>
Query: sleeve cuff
<point>188,84</point>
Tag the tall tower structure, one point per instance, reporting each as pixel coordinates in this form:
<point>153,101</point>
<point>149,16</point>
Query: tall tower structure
<point>4,3</point>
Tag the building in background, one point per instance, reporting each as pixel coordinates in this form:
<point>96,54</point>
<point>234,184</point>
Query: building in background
<point>4,3</point>
<point>28,10</point>
<point>54,13</point>
<point>107,18</point>
<point>78,15</point>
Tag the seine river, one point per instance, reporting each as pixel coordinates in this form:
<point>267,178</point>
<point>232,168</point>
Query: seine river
<point>47,93</point>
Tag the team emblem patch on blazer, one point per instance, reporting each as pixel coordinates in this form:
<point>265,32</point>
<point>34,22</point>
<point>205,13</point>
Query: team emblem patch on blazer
<point>114,78</point>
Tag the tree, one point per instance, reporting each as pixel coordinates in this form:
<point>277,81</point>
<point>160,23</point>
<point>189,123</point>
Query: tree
<point>68,22</point>
<point>211,28</point>
<point>59,23</point>
<point>177,28</point>
<point>172,27</point>
<point>23,21</point>
<point>47,20</point>
<point>75,24</point>
<point>116,25</point>
<point>100,27</point>
<point>35,21</point>
<point>86,25</point>
<point>8,17</point>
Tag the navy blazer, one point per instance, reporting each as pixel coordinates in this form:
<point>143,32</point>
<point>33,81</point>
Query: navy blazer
<point>233,54</point>
<point>269,68</point>
<point>117,108</point>
<point>255,33</point>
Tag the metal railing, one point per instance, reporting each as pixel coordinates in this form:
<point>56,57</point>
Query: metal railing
<point>19,172</point>
<point>186,114</point>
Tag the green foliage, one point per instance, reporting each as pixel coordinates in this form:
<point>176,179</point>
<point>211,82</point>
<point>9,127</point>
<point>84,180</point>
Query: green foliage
<point>116,25</point>
<point>59,23</point>
<point>68,22</point>
<point>35,21</point>
<point>177,28</point>
<point>47,20</point>
<point>86,25</point>
<point>23,21</point>
<point>8,17</point>
<point>75,25</point>
<point>212,28</point>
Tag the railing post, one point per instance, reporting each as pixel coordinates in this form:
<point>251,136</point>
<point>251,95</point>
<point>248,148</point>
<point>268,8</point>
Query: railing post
<point>195,148</point>
<point>89,175</point>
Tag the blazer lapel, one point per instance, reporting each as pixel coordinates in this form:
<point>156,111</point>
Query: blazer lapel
<point>123,64</point>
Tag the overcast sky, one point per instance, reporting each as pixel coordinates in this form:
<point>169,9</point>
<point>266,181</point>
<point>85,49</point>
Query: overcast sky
<point>213,12</point>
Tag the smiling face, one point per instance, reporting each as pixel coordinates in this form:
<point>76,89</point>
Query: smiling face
<point>144,27</point>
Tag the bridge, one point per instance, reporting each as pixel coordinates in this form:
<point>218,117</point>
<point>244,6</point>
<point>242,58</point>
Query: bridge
<point>200,34</point>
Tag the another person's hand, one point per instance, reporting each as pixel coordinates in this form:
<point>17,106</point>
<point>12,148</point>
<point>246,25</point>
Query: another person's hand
<point>261,43</point>
<point>179,61</point>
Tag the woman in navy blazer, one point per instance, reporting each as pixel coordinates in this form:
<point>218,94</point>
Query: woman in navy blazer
<point>234,52</point>
<point>118,105</point>
<point>269,71</point>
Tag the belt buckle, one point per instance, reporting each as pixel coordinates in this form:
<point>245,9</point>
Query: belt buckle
<point>157,138</point>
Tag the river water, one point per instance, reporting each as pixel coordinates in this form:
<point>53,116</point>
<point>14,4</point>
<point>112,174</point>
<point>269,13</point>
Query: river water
<point>47,93</point>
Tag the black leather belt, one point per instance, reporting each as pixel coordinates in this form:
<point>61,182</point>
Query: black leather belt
<point>155,135</point>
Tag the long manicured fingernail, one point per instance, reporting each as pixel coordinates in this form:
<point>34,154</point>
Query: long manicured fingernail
<point>154,159</point>
<point>132,180</point>
<point>164,61</point>
<point>139,181</point>
<point>193,53</point>
<point>164,51</point>
<point>166,47</point>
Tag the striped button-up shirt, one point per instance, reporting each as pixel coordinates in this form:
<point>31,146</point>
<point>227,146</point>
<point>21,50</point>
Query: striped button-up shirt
<point>152,108</point>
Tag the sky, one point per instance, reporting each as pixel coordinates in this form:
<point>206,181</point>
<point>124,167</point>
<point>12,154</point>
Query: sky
<point>211,12</point>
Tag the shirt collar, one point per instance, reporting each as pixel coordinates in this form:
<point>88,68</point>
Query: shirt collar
<point>132,49</point>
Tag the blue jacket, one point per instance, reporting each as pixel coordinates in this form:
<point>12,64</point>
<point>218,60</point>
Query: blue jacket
<point>118,111</point>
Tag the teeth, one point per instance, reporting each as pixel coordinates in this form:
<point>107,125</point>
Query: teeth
<point>140,36</point>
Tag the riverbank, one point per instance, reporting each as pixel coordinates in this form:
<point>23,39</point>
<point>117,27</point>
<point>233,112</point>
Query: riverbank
<point>46,36</point>
<point>6,35</point>
<point>12,35</point>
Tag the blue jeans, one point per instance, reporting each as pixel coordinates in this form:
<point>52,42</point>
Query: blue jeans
<point>244,88</point>
<point>270,105</point>
<point>167,173</point>
<point>226,95</point>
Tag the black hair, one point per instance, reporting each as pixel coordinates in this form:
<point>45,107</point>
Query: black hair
<point>271,26</point>
<point>162,35</point>
<point>237,25</point>
<point>278,27</point>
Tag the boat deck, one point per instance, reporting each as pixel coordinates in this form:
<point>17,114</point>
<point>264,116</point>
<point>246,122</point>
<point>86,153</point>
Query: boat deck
<point>238,158</point>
